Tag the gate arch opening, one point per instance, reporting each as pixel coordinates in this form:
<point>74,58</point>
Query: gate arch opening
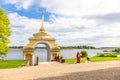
<point>46,51</point>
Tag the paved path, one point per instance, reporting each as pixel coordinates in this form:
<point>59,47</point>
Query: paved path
<point>109,70</point>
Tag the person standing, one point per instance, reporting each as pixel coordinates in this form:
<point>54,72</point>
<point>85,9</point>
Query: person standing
<point>37,60</point>
<point>61,59</point>
<point>78,56</point>
<point>58,58</point>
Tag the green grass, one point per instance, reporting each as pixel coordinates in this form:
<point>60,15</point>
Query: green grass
<point>93,59</point>
<point>107,55</point>
<point>11,64</point>
<point>98,59</point>
<point>73,60</point>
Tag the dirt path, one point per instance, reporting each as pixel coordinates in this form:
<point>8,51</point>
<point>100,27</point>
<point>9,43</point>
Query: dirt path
<point>109,70</point>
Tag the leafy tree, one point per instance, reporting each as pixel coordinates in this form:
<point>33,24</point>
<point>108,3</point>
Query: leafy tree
<point>4,33</point>
<point>84,53</point>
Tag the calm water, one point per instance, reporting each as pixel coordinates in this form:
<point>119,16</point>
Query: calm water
<point>42,53</point>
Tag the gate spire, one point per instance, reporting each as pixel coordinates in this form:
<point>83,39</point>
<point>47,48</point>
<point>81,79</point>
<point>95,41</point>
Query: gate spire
<point>42,29</point>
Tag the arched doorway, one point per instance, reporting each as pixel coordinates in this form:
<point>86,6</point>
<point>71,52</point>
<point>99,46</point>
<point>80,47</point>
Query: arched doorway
<point>40,37</point>
<point>42,50</point>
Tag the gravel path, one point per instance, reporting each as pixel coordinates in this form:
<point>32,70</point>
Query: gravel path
<point>109,70</point>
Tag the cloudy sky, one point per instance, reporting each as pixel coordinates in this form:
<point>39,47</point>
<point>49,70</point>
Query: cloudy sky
<point>71,22</point>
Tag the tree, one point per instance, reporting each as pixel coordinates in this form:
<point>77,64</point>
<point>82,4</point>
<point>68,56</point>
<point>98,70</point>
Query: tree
<point>4,33</point>
<point>84,53</point>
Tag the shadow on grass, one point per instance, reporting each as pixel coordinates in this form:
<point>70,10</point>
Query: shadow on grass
<point>101,74</point>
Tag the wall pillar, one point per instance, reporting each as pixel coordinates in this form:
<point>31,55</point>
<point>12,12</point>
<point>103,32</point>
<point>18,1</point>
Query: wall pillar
<point>29,59</point>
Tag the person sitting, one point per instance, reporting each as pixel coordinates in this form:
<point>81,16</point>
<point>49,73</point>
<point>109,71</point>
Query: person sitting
<point>55,58</point>
<point>88,59</point>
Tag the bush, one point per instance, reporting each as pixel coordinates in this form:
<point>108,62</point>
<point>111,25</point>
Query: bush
<point>107,55</point>
<point>101,55</point>
<point>84,53</point>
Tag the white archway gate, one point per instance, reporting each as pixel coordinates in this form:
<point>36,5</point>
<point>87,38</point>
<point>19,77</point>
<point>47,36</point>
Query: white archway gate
<point>43,38</point>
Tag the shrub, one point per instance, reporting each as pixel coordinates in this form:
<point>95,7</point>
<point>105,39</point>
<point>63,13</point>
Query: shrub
<point>101,55</point>
<point>107,55</point>
<point>84,53</point>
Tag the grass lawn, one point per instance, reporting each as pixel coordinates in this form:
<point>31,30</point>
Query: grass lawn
<point>11,64</point>
<point>93,59</point>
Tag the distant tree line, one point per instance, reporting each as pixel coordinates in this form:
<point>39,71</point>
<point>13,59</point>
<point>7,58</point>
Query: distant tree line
<point>16,47</point>
<point>22,47</point>
<point>77,47</point>
<point>62,47</point>
<point>116,50</point>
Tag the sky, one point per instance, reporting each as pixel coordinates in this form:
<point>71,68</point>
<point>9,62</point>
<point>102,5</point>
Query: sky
<point>70,22</point>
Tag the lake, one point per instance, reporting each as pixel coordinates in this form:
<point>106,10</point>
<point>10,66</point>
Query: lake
<point>17,54</point>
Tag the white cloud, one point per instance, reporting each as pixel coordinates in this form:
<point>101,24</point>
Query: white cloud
<point>81,7</point>
<point>78,31</point>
